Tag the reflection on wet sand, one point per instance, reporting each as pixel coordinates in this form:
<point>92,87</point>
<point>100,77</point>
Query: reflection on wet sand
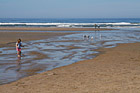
<point>18,68</point>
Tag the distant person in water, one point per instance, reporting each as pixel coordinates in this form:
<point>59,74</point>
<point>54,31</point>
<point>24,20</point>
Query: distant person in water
<point>98,26</point>
<point>95,26</point>
<point>18,47</point>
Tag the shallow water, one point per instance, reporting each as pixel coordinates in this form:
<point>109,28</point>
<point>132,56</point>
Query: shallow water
<point>42,55</point>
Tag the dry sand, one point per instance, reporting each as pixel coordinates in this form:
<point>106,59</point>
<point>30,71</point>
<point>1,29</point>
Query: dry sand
<point>116,70</point>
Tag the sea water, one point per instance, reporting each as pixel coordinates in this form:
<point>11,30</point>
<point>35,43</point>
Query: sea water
<point>69,22</point>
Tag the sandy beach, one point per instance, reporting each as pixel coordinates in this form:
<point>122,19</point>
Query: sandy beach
<point>75,46</point>
<point>116,70</point>
<point>9,37</point>
<point>51,29</point>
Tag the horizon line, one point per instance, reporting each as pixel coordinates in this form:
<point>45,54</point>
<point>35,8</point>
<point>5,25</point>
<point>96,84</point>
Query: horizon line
<point>70,18</point>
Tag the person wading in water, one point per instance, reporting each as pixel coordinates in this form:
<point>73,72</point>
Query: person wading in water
<point>18,47</point>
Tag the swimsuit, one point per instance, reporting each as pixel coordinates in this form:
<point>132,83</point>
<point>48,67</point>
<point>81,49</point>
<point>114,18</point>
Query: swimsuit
<point>19,46</point>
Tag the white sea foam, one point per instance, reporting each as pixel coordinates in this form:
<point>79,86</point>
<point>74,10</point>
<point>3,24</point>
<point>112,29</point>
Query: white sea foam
<point>70,24</point>
<point>122,23</point>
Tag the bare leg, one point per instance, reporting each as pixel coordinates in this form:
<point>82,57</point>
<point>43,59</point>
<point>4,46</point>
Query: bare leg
<point>19,53</point>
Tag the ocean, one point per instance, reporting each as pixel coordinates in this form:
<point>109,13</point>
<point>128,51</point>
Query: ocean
<point>69,22</point>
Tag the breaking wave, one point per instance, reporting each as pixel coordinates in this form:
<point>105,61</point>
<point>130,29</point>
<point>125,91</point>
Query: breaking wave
<point>120,24</point>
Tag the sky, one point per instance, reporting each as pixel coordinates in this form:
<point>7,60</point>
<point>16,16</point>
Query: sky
<point>69,8</point>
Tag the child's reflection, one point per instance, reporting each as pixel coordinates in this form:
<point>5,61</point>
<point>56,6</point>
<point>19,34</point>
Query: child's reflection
<point>18,64</point>
<point>18,68</point>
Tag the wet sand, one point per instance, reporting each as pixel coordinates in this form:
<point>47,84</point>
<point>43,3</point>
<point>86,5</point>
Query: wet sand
<point>116,70</point>
<point>51,29</point>
<point>11,37</point>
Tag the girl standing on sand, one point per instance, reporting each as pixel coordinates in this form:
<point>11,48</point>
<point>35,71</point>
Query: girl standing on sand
<point>18,47</point>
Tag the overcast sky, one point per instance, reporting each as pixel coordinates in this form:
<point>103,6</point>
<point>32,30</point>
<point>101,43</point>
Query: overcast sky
<point>69,8</point>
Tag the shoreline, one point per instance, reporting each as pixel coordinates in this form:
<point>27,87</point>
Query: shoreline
<point>5,33</point>
<point>116,70</point>
<point>28,36</point>
<point>51,29</point>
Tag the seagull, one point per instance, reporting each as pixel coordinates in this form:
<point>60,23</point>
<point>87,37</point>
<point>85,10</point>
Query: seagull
<point>84,36</point>
<point>92,37</point>
<point>87,36</point>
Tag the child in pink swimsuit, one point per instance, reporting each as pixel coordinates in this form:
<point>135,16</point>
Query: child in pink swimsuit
<point>18,47</point>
